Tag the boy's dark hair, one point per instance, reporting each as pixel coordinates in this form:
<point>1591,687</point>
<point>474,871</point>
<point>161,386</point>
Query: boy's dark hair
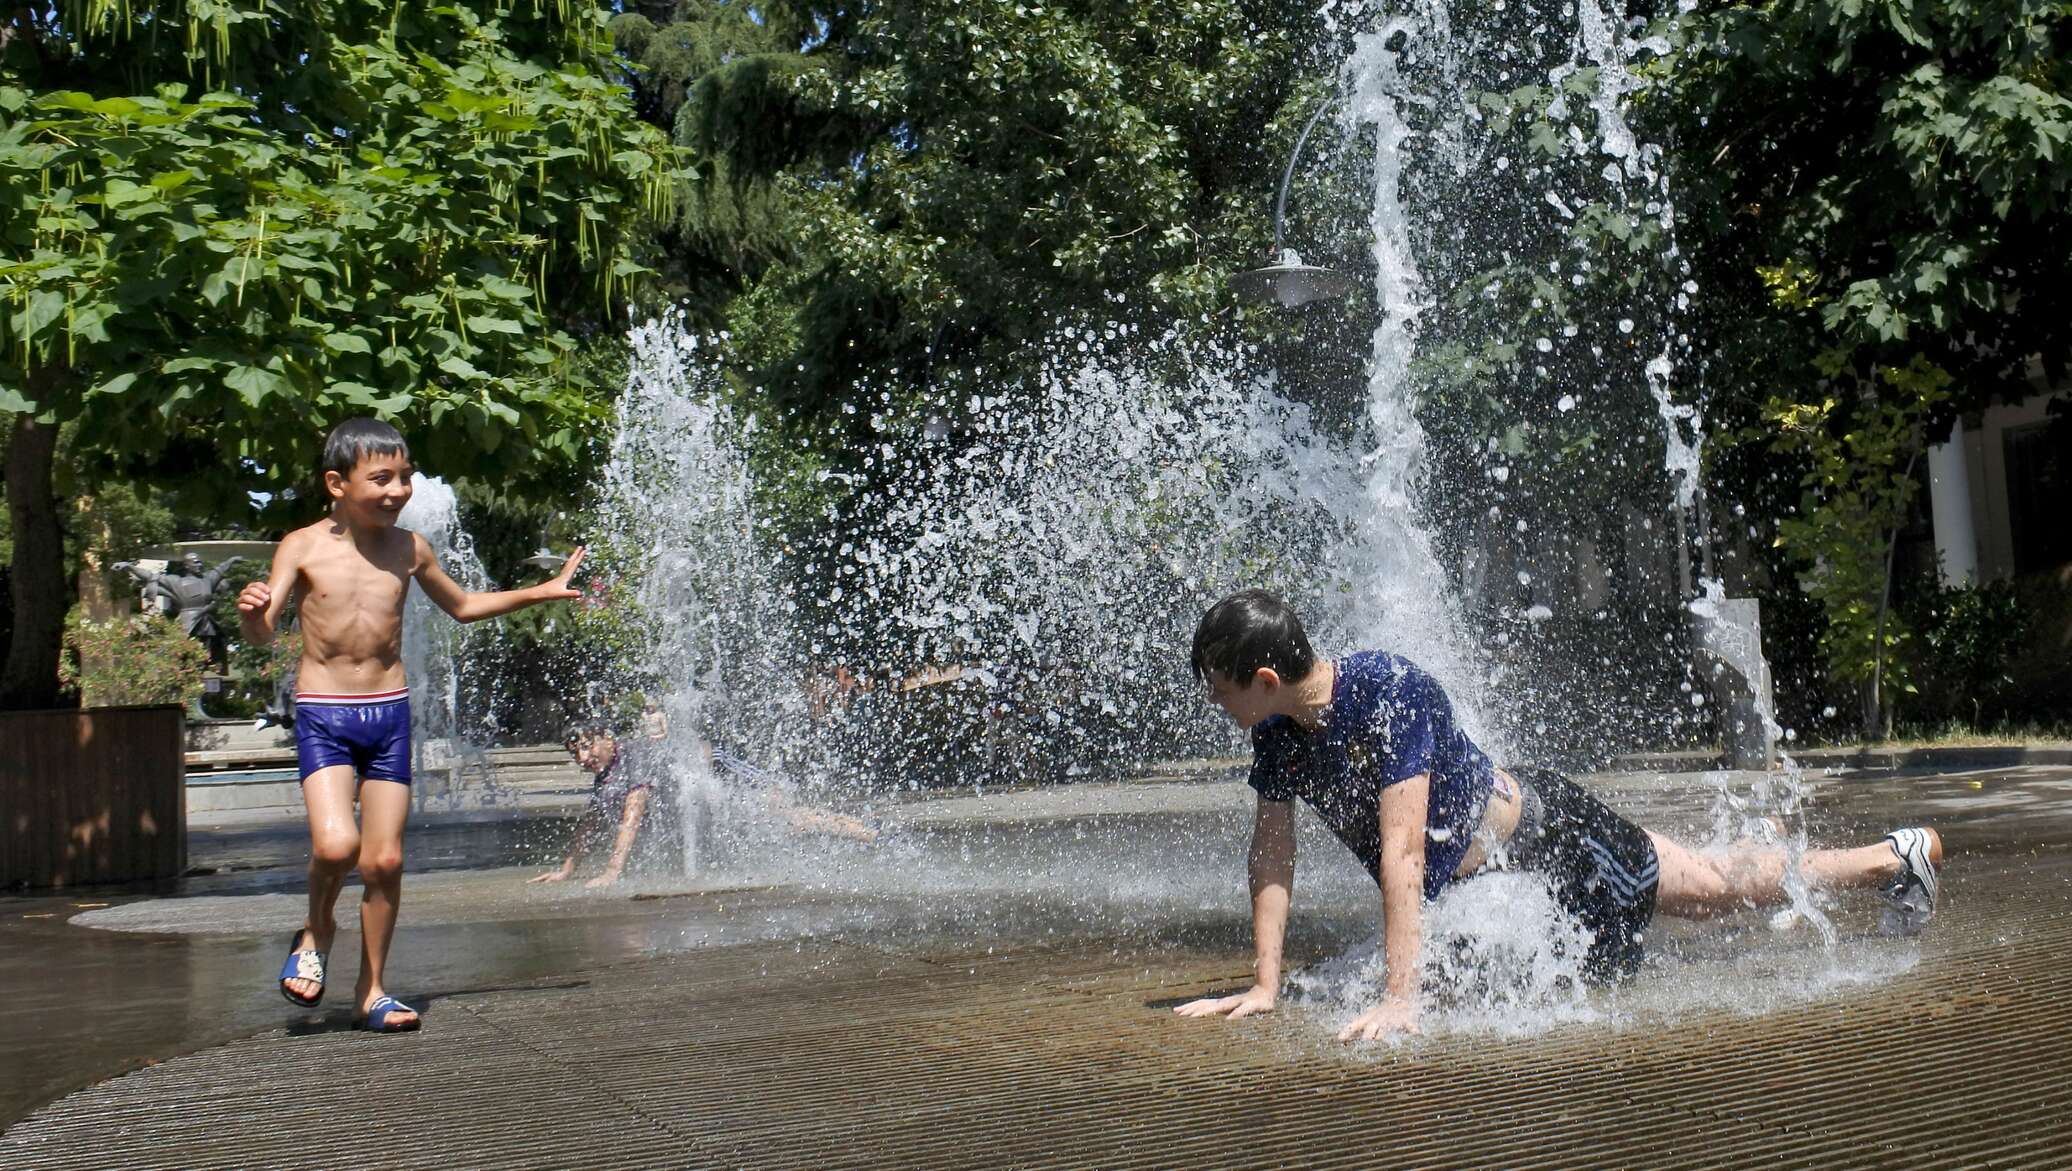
<point>355,440</point>
<point>587,730</point>
<point>1248,630</point>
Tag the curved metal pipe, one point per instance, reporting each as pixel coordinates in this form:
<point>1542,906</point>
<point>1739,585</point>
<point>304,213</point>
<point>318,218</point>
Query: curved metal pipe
<point>1280,205</point>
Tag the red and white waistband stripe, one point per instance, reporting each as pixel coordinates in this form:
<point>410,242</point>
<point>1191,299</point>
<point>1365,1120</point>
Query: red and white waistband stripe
<point>322,699</point>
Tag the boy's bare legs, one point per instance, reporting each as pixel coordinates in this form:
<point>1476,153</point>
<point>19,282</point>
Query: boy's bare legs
<point>622,848</point>
<point>384,807</point>
<point>334,846</point>
<point>807,820</point>
<point>1697,886</point>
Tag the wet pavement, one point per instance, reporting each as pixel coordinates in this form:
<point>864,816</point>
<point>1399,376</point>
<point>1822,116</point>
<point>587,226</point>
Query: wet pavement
<point>990,984</point>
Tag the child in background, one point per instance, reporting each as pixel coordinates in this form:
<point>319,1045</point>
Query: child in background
<point>620,792</point>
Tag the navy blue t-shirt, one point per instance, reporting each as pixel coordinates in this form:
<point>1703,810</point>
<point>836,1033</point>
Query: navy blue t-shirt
<point>1388,721</point>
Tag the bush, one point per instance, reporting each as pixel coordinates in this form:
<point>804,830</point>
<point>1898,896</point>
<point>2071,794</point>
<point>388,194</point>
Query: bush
<point>138,659</point>
<point>1992,655</point>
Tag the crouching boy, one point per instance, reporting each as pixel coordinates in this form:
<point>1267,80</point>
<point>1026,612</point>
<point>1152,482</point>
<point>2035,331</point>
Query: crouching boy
<point>1370,743</point>
<point>620,792</point>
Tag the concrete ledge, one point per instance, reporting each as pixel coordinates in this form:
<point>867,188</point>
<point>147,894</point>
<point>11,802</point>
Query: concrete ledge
<point>271,781</point>
<point>1866,757</point>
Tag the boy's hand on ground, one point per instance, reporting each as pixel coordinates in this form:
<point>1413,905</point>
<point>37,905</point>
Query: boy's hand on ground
<point>1251,1001</point>
<point>1385,1019</point>
<point>557,587</point>
<point>255,598</point>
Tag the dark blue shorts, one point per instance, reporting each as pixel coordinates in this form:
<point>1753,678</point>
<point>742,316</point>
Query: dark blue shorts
<point>369,732</point>
<point>1602,868</point>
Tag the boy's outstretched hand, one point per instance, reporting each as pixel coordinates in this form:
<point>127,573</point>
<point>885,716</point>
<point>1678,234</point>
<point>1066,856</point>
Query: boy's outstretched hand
<point>557,587</point>
<point>1251,1001</point>
<point>1384,1020</point>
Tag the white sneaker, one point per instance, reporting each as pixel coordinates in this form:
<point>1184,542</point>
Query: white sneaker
<point>1910,900</point>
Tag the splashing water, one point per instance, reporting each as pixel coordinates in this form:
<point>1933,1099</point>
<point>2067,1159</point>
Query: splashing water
<point>1501,957</point>
<point>448,730</point>
<point>684,535</point>
<point>1005,591</point>
<point>1402,592</point>
<point>1015,595</point>
<point>1406,78</point>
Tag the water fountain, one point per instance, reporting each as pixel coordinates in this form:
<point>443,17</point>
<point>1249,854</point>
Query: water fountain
<point>1005,606</point>
<point>1012,589</point>
<point>450,731</point>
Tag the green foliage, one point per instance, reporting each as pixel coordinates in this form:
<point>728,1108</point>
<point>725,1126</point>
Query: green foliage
<point>254,672</point>
<point>1885,179</point>
<point>910,195</point>
<point>1991,655</point>
<point>114,523</point>
<point>1548,309</point>
<point>575,655</point>
<point>1870,230</point>
<point>1863,185</point>
<point>1968,636</point>
<point>1855,185</point>
<point>1857,490</point>
<point>217,248</point>
<point>138,659</point>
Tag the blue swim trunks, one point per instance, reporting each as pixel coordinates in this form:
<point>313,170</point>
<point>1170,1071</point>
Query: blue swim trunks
<point>369,732</point>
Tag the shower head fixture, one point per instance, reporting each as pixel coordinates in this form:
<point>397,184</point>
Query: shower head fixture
<point>547,559</point>
<point>1288,282</point>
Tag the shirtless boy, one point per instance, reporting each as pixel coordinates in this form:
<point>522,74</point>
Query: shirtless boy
<point>351,571</point>
<point>1369,741</point>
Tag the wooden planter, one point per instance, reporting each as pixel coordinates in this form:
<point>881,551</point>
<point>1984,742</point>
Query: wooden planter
<point>92,796</point>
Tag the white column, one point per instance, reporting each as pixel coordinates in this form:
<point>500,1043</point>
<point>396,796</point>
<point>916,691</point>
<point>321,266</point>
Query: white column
<point>1949,493</point>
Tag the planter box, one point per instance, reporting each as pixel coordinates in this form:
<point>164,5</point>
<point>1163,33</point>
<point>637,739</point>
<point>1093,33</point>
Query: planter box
<point>92,796</point>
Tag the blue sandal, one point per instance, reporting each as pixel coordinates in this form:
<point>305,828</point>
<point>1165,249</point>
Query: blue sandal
<point>378,1013</point>
<point>302,965</point>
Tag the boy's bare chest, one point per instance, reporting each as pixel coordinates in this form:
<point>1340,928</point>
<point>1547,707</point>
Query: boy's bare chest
<point>341,580</point>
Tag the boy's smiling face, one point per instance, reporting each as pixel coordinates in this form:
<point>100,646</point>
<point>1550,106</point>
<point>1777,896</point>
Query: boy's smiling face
<point>594,752</point>
<point>375,492</point>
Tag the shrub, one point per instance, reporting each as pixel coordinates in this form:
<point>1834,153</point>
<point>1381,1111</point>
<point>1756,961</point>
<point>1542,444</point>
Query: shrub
<point>136,659</point>
<point>1993,654</point>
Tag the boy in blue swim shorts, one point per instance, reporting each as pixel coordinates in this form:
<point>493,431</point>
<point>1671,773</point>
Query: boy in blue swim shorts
<point>350,572</point>
<point>1370,742</point>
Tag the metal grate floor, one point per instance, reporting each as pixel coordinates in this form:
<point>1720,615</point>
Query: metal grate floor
<point>830,1055</point>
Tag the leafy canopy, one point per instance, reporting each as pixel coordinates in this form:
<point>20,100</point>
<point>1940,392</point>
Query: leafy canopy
<point>232,224</point>
<point>912,194</point>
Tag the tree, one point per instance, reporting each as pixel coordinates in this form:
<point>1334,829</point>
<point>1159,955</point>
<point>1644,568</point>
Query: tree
<point>725,231</point>
<point>230,225</point>
<point>1863,214</point>
<point>1877,198</point>
<point>1859,489</point>
<point>909,196</point>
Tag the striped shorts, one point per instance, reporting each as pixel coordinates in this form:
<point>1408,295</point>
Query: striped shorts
<point>1602,867</point>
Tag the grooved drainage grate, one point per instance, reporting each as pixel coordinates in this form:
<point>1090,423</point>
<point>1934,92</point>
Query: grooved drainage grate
<point>841,1056</point>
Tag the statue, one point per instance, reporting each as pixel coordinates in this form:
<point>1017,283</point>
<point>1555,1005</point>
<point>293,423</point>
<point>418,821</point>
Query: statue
<point>184,590</point>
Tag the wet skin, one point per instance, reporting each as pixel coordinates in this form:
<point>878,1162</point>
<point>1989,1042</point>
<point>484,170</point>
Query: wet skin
<point>351,572</point>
